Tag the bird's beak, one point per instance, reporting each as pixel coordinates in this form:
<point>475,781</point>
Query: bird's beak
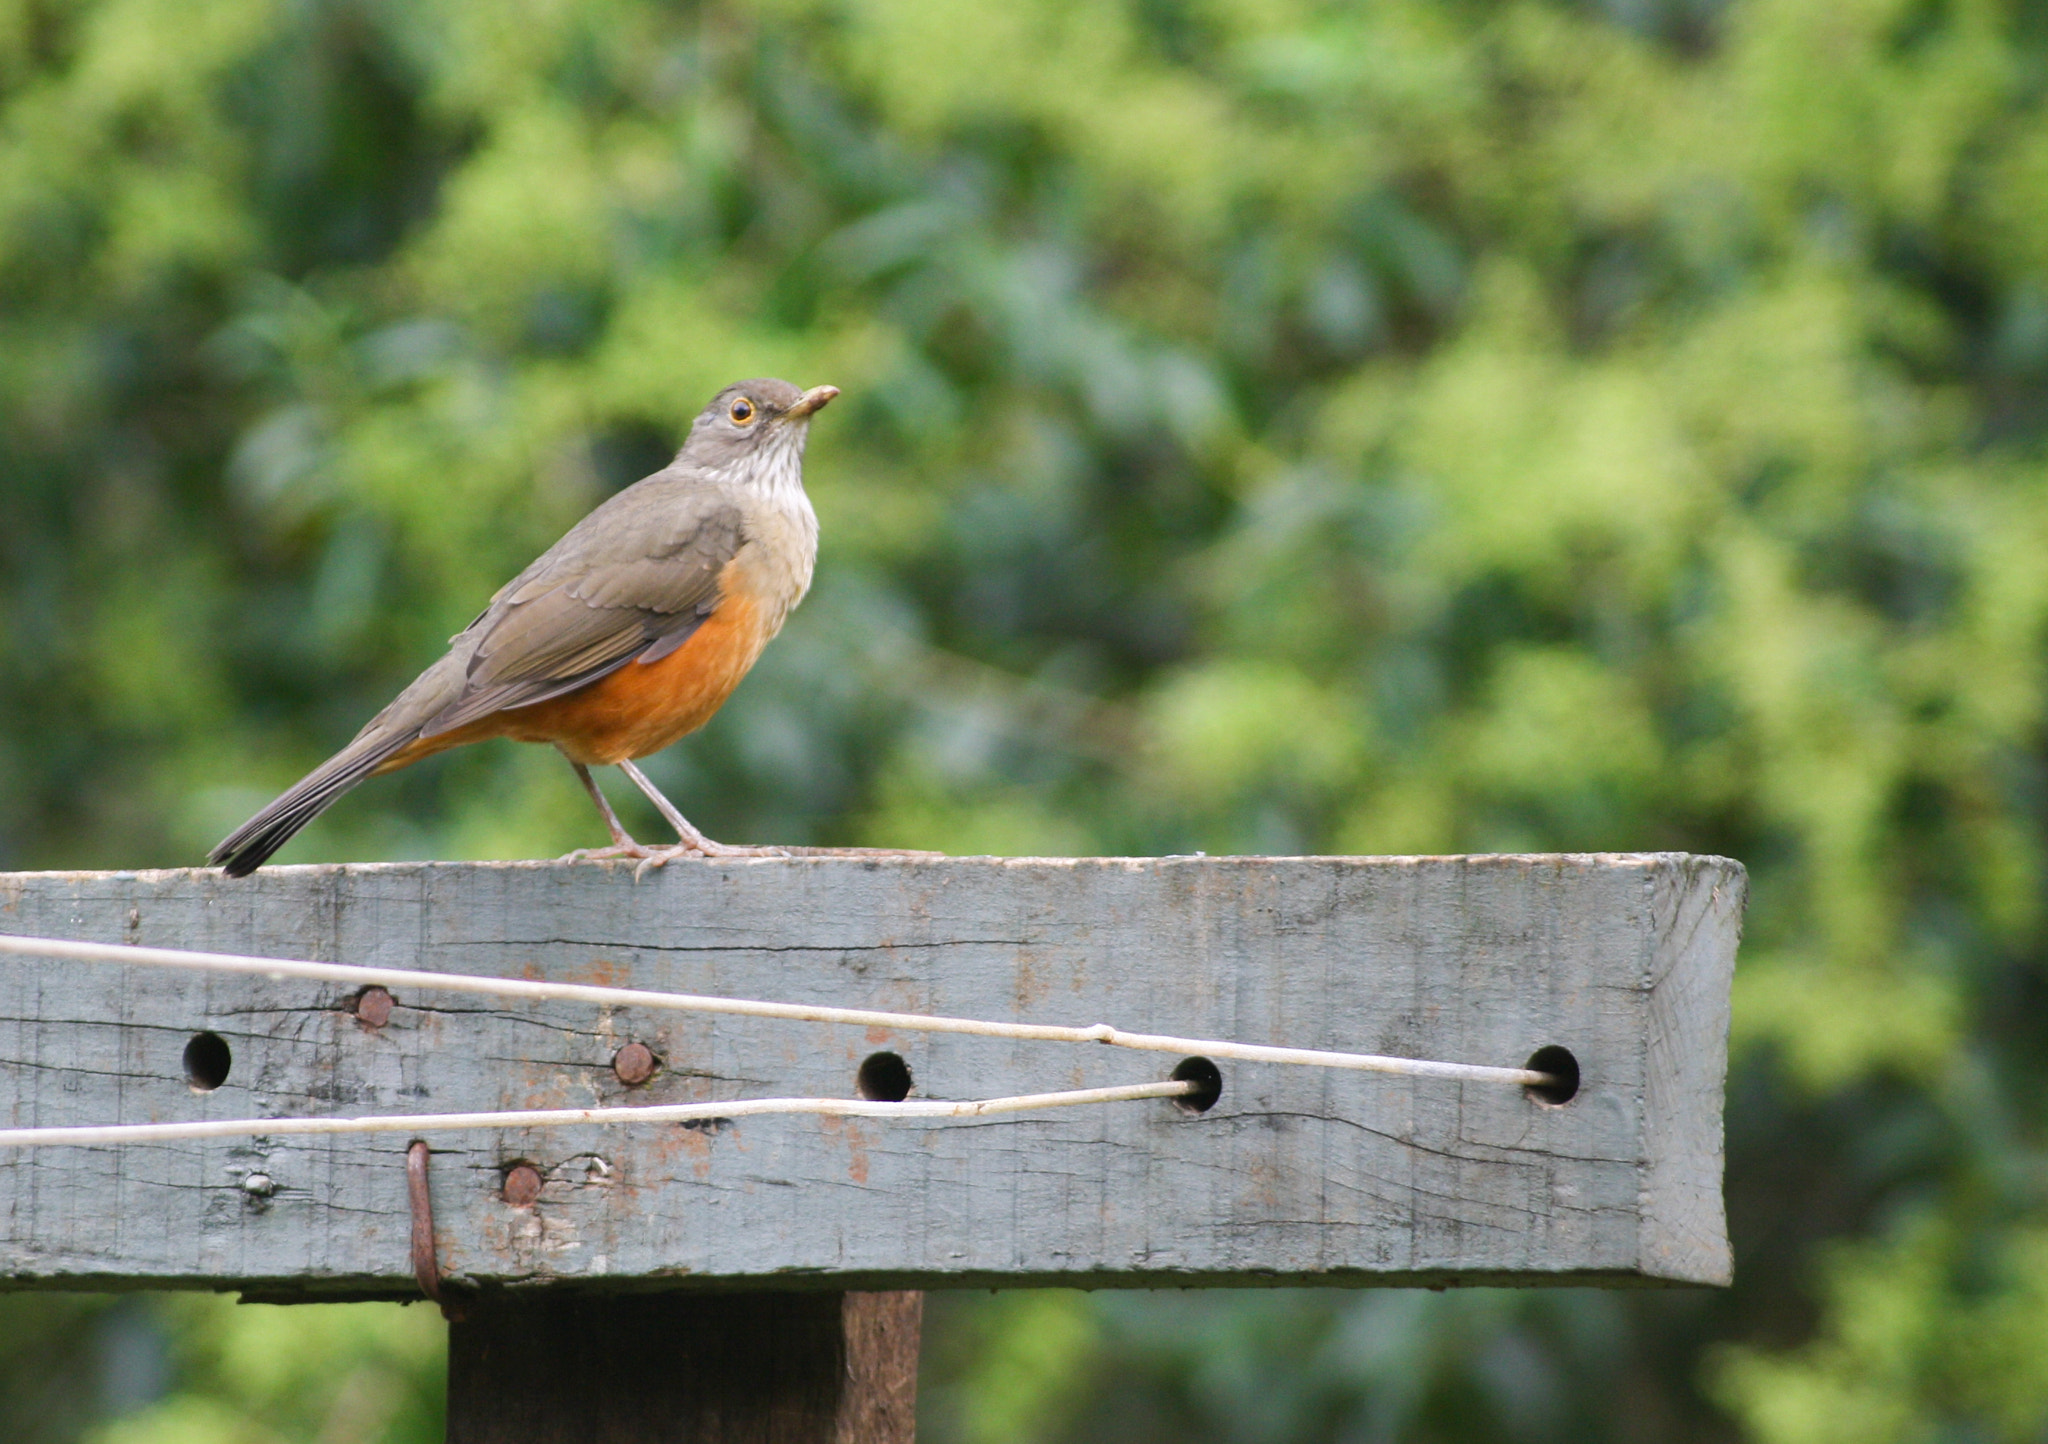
<point>814,399</point>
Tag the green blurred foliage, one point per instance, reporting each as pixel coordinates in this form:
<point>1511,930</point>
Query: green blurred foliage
<point>1271,425</point>
<point>266,1374</point>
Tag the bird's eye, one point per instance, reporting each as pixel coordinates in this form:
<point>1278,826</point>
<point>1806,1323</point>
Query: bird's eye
<point>742,411</point>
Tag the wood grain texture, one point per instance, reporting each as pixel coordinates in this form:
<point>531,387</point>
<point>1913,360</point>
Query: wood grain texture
<point>750,1368</point>
<point>1298,1175</point>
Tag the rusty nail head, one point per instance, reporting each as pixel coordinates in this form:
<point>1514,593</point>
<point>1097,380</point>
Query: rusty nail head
<point>634,1064</point>
<point>373,1006</point>
<point>522,1185</point>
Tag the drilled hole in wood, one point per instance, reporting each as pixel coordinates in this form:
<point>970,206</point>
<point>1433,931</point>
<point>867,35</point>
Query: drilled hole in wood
<point>883,1078</point>
<point>1208,1081</point>
<point>522,1185</point>
<point>1560,1065</point>
<point>207,1061</point>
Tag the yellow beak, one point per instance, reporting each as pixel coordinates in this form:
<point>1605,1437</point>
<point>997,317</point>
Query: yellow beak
<point>814,399</point>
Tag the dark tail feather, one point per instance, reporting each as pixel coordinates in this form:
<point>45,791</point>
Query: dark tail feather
<point>251,844</point>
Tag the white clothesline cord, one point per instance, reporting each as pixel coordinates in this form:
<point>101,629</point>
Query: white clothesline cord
<point>556,1117</point>
<point>535,991</point>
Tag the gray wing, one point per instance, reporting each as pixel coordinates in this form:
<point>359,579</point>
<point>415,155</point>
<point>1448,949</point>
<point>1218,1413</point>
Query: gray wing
<point>634,579</point>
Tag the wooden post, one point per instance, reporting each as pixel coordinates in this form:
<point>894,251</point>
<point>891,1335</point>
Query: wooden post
<point>625,1282</point>
<point>749,1368</point>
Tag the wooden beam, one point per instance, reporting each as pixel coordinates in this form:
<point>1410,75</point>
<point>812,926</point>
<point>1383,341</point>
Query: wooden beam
<point>1298,1175</point>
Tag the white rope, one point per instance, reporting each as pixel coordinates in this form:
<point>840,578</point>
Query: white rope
<point>691,1003</point>
<point>554,1117</point>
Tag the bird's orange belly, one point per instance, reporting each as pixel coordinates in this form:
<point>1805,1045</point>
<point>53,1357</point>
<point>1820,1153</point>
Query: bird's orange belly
<point>644,706</point>
<point>640,708</point>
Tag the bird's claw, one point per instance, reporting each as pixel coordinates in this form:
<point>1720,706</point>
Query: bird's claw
<point>599,854</point>
<point>708,848</point>
<point>647,857</point>
<point>653,857</point>
<point>659,857</point>
<point>703,848</point>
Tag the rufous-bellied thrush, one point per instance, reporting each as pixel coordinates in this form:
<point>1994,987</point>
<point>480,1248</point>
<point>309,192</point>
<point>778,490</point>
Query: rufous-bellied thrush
<point>626,634</point>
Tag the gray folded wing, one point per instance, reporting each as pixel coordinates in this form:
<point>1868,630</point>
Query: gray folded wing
<point>634,579</point>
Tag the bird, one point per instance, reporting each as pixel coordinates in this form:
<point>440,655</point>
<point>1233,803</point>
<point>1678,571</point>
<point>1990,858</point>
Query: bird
<point>622,637</point>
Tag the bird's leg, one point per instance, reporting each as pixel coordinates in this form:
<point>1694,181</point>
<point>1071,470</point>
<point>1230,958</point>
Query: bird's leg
<point>622,843</point>
<point>690,836</point>
<point>694,843</point>
<point>604,807</point>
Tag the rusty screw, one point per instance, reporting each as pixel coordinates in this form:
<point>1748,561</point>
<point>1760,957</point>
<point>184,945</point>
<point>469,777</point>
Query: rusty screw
<point>634,1064</point>
<point>373,1006</point>
<point>522,1185</point>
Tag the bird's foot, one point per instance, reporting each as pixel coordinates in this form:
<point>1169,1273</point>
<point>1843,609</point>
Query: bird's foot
<point>702,847</point>
<point>705,847</point>
<point>653,857</point>
<point>647,857</point>
<point>599,854</point>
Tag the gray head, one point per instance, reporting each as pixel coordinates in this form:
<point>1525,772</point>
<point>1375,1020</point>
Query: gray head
<point>751,422</point>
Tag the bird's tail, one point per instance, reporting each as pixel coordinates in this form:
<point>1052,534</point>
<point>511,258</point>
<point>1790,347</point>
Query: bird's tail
<point>251,844</point>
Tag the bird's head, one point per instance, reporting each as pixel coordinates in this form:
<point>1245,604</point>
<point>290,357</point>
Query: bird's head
<point>764,418</point>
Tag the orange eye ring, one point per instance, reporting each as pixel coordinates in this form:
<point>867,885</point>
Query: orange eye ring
<point>742,411</point>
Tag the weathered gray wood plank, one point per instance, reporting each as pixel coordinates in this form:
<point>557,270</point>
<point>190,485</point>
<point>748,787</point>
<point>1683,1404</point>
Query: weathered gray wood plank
<point>1298,1175</point>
